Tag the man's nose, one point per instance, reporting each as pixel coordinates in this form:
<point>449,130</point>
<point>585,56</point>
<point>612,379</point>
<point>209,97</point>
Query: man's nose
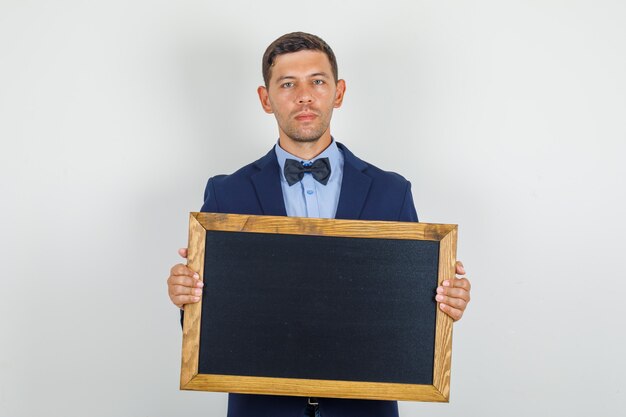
<point>304,95</point>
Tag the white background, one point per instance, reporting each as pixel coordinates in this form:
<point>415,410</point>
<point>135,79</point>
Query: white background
<point>507,116</point>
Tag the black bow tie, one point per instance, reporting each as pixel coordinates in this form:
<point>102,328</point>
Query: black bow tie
<point>294,170</point>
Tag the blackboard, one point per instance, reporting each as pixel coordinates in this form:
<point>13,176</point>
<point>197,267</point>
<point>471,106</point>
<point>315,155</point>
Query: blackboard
<point>319,307</point>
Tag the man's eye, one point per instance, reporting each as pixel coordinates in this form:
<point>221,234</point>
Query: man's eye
<point>318,82</point>
<point>287,85</point>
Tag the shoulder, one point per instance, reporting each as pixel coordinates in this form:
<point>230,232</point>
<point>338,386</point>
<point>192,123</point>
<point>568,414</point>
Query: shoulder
<point>378,175</point>
<point>236,192</point>
<point>388,187</point>
<point>387,177</point>
<point>389,193</point>
<point>242,175</point>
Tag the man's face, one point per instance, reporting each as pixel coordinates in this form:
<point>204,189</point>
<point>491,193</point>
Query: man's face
<point>302,94</point>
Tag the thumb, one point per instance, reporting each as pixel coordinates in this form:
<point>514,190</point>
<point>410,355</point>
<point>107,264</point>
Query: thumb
<point>460,269</point>
<point>182,252</point>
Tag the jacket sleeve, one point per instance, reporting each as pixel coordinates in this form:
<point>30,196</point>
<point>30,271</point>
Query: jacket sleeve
<point>408,212</point>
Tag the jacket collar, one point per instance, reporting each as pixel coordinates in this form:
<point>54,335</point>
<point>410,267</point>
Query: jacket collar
<point>267,185</point>
<point>355,185</point>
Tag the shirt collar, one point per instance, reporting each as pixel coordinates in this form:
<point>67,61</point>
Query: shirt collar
<point>332,152</point>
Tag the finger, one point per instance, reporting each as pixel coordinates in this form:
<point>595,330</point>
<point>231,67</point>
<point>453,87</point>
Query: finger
<point>183,252</point>
<point>176,290</point>
<point>180,269</point>
<point>185,281</point>
<point>460,269</point>
<point>462,283</point>
<point>181,300</point>
<point>458,303</point>
<point>454,293</point>
<point>457,283</point>
<point>456,314</point>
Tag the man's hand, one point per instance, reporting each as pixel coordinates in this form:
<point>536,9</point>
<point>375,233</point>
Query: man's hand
<point>183,284</point>
<point>454,295</point>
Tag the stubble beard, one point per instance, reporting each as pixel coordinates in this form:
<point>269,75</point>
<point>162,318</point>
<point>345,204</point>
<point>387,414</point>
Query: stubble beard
<point>303,135</point>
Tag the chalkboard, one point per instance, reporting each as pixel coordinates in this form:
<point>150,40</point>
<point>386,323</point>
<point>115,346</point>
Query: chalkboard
<point>318,307</point>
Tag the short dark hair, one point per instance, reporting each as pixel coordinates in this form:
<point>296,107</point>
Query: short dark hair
<point>294,42</point>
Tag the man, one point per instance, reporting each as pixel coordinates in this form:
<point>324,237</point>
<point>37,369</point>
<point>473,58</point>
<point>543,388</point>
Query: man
<point>308,174</point>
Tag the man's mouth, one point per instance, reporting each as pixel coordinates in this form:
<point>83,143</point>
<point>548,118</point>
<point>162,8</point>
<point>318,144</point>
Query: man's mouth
<point>305,116</point>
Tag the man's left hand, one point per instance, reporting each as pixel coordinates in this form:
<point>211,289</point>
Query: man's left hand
<point>454,295</point>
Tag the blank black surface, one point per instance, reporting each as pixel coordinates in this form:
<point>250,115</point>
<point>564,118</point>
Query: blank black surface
<point>313,307</point>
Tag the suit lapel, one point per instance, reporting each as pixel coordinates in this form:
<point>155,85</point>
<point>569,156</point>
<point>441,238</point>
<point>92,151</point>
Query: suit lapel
<point>355,186</point>
<point>267,185</point>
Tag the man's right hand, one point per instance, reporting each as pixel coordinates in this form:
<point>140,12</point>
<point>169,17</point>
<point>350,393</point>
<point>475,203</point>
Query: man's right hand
<point>183,284</point>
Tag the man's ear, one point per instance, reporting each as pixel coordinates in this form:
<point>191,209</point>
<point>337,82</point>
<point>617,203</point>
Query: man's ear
<point>265,99</point>
<point>341,90</point>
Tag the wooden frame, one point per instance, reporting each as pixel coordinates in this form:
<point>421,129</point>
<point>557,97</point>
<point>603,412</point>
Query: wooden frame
<point>439,391</point>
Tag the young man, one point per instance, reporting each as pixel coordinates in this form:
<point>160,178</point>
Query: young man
<point>308,174</point>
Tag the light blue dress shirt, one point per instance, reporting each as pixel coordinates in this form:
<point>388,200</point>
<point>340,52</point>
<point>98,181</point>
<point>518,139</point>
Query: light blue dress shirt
<point>308,197</point>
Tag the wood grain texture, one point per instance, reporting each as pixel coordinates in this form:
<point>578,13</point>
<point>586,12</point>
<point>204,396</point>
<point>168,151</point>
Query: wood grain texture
<point>193,312</point>
<point>443,326</point>
<point>439,391</point>
<point>323,227</point>
<point>315,388</point>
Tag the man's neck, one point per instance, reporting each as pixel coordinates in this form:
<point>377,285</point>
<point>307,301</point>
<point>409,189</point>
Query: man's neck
<point>305,150</point>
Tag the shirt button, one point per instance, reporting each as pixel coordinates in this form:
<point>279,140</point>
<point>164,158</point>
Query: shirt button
<point>309,192</point>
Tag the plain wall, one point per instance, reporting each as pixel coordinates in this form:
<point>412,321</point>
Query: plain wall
<point>508,117</point>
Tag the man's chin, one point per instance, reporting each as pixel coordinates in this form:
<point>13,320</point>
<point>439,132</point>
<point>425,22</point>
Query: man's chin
<point>306,139</point>
<point>306,134</point>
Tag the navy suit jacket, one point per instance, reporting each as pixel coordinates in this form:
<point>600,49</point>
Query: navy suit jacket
<point>367,193</point>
